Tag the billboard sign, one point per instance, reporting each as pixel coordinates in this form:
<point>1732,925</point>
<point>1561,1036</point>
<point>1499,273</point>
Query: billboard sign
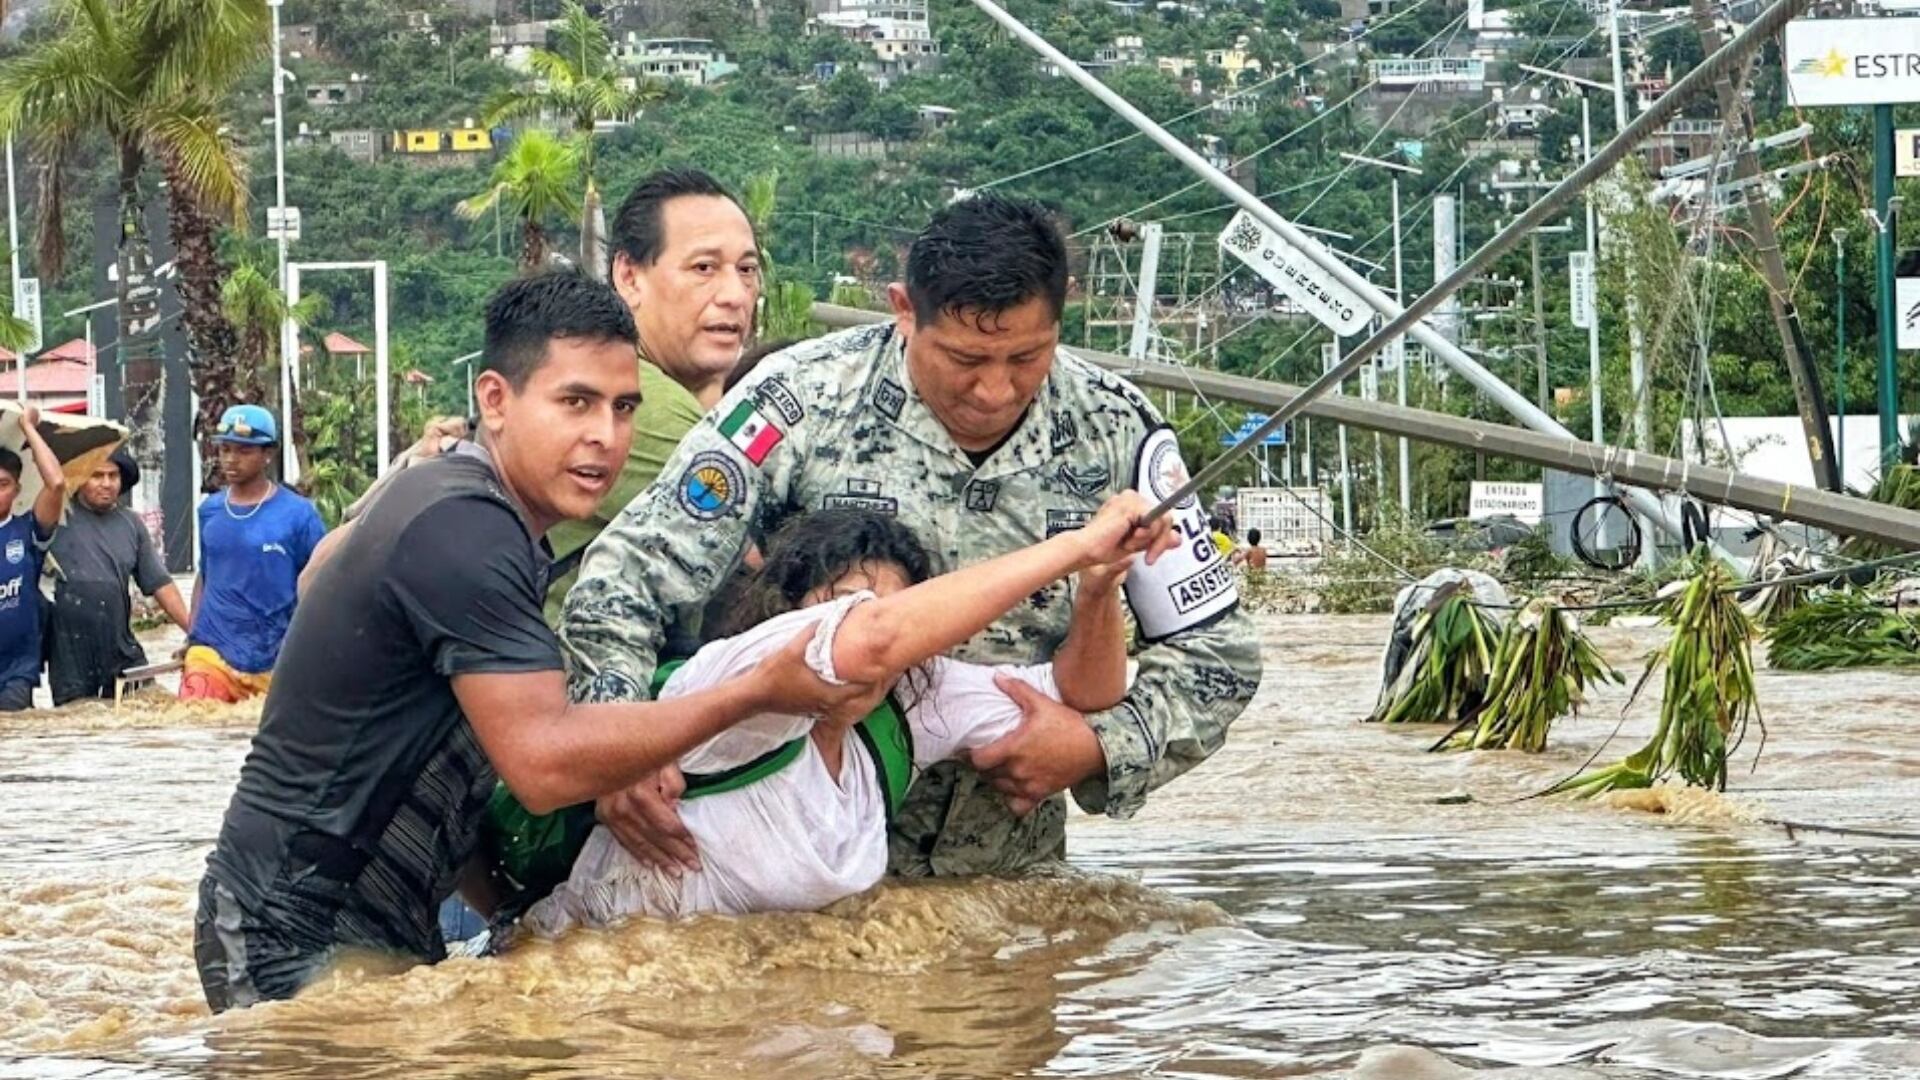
<point>1852,61</point>
<point>1337,307</point>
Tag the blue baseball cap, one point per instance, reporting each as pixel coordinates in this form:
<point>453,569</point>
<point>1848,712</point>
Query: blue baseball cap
<point>247,425</point>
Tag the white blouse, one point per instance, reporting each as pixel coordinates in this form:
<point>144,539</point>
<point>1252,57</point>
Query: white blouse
<point>800,838</point>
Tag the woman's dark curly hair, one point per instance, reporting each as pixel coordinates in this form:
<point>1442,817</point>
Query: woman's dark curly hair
<point>815,550</point>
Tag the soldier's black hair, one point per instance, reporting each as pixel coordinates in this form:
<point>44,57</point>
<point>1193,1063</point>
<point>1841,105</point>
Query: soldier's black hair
<point>984,255</point>
<point>10,464</point>
<point>815,550</point>
<point>528,313</point>
<point>639,226</point>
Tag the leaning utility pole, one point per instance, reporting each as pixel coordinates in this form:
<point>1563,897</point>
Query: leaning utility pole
<point>1786,319</point>
<point>1847,515</point>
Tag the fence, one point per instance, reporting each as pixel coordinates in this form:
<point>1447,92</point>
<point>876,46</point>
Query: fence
<point>1292,521</point>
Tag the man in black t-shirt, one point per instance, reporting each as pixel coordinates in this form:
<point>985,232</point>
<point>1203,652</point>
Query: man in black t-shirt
<point>418,669</point>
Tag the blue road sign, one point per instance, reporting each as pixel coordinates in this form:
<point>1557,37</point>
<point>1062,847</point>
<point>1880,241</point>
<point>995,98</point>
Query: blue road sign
<point>1277,437</point>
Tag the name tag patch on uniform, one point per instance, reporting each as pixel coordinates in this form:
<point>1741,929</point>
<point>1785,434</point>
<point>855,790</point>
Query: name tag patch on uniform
<point>712,487</point>
<point>16,551</point>
<point>861,495</point>
<point>1088,482</point>
<point>749,429</point>
<point>982,494</point>
<point>890,398</point>
<point>776,393</point>
<point>1059,521</point>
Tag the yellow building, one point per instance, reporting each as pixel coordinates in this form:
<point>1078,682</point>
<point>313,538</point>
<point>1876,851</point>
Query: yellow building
<point>437,141</point>
<point>1235,61</point>
<point>417,141</point>
<point>470,140</point>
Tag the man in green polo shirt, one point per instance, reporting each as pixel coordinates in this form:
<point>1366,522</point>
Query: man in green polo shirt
<point>686,262</point>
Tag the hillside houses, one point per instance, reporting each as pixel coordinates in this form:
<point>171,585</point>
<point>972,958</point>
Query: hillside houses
<point>899,33</point>
<point>688,61</point>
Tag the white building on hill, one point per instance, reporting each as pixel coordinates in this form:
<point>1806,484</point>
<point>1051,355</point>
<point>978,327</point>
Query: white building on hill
<point>899,32</point>
<point>693,61</point>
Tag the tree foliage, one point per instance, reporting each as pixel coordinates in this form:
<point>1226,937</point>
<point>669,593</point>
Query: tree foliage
<point>1016,129</point>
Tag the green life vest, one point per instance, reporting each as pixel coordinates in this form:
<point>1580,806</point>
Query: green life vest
<point>535,852</point>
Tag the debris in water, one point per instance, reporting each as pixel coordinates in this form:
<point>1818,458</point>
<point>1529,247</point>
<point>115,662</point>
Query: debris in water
<point>1708,696</point>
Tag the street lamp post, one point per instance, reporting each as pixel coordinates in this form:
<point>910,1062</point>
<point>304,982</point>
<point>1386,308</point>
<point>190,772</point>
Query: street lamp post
<point>289,334</point>
<point>466,363</point>
<point>1593,259</point>
<point>1593,268</point>
<point>88,310</point>
<point>1394,169</point>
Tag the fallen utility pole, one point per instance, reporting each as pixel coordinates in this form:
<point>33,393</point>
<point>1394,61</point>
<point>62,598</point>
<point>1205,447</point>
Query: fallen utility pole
<point>1842,514</point>
<point>1410,320</point>
<point>1801,371</point>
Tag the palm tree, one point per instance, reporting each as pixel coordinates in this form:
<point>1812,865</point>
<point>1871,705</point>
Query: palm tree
<point>578,84</point>
<point>534,180</point>
<point>15,332</point>
<point>148,75</point>
<point>786,307</point>
<point>336,474</point>
<point>255,310</point>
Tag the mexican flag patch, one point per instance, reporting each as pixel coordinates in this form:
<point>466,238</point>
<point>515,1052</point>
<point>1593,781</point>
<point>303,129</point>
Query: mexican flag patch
<point>751,431</point>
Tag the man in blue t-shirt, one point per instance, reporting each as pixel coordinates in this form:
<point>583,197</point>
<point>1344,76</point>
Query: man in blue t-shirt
<point>255,538</point>
<point>23,544</point>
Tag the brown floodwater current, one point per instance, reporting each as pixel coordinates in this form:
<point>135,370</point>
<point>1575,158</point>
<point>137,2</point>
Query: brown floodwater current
<point>1313,901</point>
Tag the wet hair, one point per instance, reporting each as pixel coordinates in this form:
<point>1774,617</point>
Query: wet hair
<point>986,255</point>
<point>640,228</point>
<point>528,313</point>
<point>10,464</point>
<point>1253,537</point>
<point>815,550</point>
<point>751,359</point>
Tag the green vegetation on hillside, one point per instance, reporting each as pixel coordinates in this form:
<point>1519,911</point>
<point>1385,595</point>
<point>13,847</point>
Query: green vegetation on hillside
<point>838,218</point>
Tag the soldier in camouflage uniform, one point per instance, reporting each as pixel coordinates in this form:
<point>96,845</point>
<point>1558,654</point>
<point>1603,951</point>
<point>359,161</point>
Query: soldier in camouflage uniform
<point>963,419</point>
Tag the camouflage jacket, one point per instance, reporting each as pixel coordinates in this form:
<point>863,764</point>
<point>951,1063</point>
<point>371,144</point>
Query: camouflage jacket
<point>834,423</point>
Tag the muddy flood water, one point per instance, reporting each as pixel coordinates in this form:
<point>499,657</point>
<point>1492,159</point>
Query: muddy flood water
<point>1309,903</point>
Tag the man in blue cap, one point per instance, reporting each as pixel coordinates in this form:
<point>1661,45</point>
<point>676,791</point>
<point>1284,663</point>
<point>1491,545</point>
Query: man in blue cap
<point>255,538</point>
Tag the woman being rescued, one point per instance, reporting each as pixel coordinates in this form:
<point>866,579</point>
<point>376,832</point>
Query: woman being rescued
<point>790,812</point>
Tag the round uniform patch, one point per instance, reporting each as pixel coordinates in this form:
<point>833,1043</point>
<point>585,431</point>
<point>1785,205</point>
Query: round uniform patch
<point>1165,471</point>
<point>712,486</point>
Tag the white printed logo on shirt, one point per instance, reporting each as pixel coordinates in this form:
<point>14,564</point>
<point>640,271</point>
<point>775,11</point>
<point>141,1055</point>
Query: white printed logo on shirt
<point>16,551</point>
